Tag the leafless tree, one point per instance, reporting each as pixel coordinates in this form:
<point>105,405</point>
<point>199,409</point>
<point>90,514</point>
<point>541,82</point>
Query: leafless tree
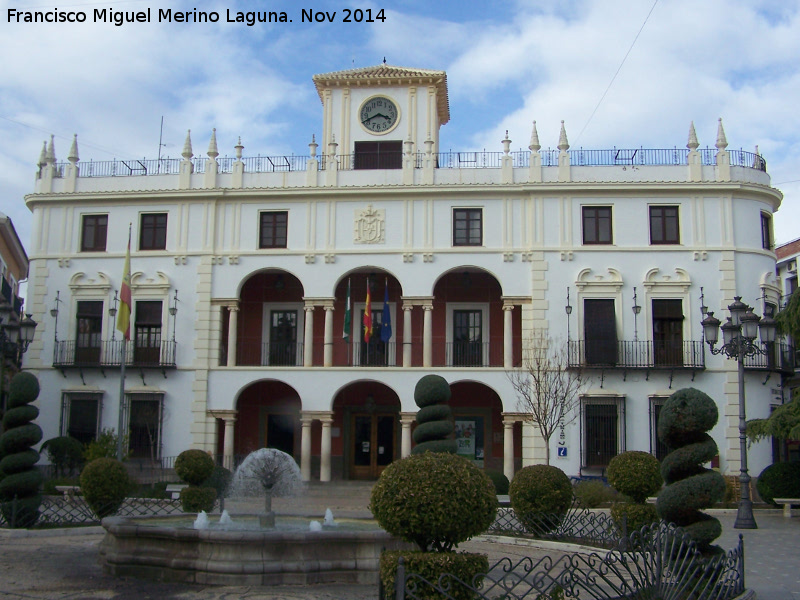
<point>548,390</point>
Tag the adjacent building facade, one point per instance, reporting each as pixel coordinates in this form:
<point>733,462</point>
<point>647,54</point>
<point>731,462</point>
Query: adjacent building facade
<point>252,277</point>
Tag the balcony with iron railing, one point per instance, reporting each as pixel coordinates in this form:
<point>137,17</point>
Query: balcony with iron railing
<point>442,160</point>
<point>780,358</point>
<point>108,354</point>
<point>636,354</point>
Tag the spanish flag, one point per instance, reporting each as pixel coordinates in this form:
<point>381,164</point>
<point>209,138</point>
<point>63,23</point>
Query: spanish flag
<point>368,316</point>
<point>124,313</point>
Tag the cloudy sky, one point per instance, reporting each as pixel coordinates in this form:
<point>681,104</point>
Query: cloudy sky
<point>621,73</point>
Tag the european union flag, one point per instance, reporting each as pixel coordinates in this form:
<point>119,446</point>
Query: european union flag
<point>386,317</point>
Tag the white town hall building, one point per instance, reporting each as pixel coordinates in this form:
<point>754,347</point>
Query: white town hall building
<point>241,270</point>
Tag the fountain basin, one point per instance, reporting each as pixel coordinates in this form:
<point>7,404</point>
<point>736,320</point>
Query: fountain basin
<point>144,547</point>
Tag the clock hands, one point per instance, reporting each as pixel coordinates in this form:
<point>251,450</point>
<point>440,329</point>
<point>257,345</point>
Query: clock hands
<point>368,119</point>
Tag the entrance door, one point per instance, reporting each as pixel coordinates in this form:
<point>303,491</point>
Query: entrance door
<point>372,445</point>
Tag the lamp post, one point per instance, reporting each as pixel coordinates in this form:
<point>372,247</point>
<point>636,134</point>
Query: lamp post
<point>738,336</point>
<point>15,337</point>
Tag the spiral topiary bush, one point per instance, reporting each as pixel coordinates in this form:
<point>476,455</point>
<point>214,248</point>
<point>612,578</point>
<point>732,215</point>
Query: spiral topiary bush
<point>781,480</point>
<point>499,480</point>
<point>434,418</point>
<point>684,420</point>
<point>540,496</point>
<point>435,500</point>
<point>105,484</point>
<point>19,488</point>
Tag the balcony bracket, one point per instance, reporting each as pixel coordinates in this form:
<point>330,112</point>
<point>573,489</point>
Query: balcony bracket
<point>80,372</point>
<point>164,373</point>
<point>647,375</point>
<point>141,374</point>
<point>671,377</point>
<point>63,372</point>
<point>769,374</point>
<point>693,374</point>
<point>103,371</point>
<point>602,377</point>
<point>625,375</point>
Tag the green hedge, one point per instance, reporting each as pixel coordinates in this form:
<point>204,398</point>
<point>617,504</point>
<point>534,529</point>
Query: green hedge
<point>105,485</point>
<point>636,474</point>
<point>638,515</point>
<point>540,496</point>
<point>781,480</point>
<point>194,466</point>
<point>430,565</point>
<point>194,499</point>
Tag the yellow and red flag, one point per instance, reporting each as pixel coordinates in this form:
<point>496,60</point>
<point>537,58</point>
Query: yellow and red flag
<point>124,313</point>
<point>368,316</point>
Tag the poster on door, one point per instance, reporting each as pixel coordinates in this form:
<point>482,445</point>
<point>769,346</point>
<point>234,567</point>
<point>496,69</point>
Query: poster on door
<point>465,438</point>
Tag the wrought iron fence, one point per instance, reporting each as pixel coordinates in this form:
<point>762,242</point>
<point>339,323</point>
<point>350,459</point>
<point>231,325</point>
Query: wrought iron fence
<point>255,353</point>
<point>637,354</point>
<point>71,510</point>
<point>660,562</point>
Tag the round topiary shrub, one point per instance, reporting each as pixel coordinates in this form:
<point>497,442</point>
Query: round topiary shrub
<point>633,515</point>
<point>434,419</point>
<point>781,480</point>
<point>19,487</point>
<point>636,474</point>
<point>194,466</point>
<point>435,500</point>
<point>684,420</point>
<point>499,480</point>
<point>105,485</point>
<point>540,496</point>
<point>429,566</point>
<point>194,499</point>
<point>220,480</point>
<point>593,494</point>
<point>65,454</point>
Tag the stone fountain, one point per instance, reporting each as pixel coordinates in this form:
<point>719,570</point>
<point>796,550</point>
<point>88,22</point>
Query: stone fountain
<point>265,553</point>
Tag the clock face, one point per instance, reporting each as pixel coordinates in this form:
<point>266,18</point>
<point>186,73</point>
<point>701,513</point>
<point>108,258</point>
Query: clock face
<point>378,114</point>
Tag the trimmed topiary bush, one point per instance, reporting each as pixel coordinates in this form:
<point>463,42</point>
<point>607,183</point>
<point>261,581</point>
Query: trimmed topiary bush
<point>499,480</point>
<point>636,474</point>
<point>593,494</point>
<point>194,466</point>
<point>430,565</point>
<point>636,515</point>
<point>194,498</point>
<point>540,496</point>
<point>19,488</point>
<point>220,480</point>
<point>434,419</point>
<point>684,420</point>
<point>435,500</point>
<point>105,485</point>
<point>65,454</point>
<point>781,480</point>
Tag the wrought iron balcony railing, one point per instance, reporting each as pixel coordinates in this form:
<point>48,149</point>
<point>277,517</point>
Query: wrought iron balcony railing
<point>782,358</point>
<point>254,353</point>
<point>108,354</point>
<point>636,354</point>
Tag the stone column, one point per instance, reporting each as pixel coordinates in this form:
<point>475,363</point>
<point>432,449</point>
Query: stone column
<point>328,357</point>
<point>308,338</point>
<point>508,448</point>
<point>305,447</point>
<point>407,308</point>
<point>427,335</point>
<point>325,449</point>
<point>508,339</point>
<point>227,442</point>
<point>233,329</point>
<point>406,420</point>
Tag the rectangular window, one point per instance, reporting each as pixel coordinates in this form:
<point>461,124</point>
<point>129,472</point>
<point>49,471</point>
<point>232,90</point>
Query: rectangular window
<point>657,448</point>
<point>80,416</point>
<point>89,331</point>
<point>668,333</point>
<point>664,225</point>
<point>147,334</point>
<point>94,230</point>
<point>378,155</point>
<point>283,338</point>
<point>144,425</point>
<point>600,332</point>
<point>467,226</point>
<point>597,225</point>
<point>467,338</point>
<point>603,438</point>
<point>766,231</point>
<point>272,229</point>
<point>153,232</point>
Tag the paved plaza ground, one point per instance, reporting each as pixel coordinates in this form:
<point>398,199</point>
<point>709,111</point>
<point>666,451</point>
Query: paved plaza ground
<point>62,564</point>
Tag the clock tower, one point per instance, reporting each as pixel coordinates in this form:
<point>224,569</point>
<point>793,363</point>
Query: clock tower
<point>370,112</point>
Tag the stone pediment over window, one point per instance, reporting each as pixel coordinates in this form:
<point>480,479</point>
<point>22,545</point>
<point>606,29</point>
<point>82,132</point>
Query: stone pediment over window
<point>370,226</point>
<point>81,283</point>
<point>141,284</point>
<point>610,282</point>
<point>678,283</point>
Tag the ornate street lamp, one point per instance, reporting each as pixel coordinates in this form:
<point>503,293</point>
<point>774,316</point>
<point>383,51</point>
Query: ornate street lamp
<point>738,342</point>
<point>15,337</point>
